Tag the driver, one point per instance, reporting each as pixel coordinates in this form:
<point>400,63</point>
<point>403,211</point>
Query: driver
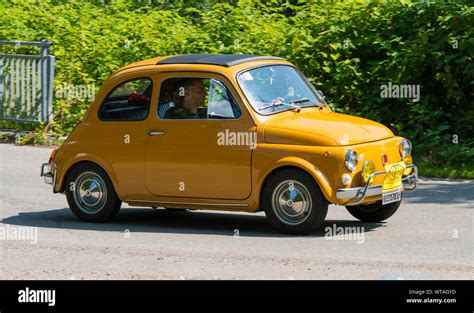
<point>188,95</point>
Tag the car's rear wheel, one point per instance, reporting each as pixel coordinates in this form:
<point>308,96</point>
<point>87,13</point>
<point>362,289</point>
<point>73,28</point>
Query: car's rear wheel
<point>374,212</point>
<point>293,202</point>
<point>91,194</point>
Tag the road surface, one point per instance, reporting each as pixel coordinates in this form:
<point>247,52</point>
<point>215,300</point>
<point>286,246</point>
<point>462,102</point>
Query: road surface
<point>430,237</point>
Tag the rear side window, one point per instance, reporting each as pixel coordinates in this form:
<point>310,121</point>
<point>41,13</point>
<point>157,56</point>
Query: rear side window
<point>129,101</point>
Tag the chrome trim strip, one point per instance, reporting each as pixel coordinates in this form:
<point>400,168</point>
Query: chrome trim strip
<point>152,133</point>
<point>358,194</point>
<point>190,203</point>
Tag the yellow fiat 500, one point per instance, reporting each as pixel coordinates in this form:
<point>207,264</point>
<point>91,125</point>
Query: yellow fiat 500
<point>227,132</point>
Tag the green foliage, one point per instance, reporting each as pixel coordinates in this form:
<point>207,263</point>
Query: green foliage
<point>346,48</point>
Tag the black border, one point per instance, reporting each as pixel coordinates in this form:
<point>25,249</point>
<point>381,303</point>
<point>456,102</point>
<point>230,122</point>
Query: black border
<point>237,296</point>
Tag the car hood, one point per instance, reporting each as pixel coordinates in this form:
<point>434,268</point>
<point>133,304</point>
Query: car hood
<point>324,128</point>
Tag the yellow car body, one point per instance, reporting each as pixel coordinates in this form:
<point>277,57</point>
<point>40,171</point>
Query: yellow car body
<point>179,164</point>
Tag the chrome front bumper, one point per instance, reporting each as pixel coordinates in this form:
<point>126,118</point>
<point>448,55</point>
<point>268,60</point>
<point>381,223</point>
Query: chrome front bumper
<point>48,171</point>
<point>358,194</point>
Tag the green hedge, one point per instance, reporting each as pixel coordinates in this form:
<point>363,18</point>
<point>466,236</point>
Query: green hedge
<point>348,49</point>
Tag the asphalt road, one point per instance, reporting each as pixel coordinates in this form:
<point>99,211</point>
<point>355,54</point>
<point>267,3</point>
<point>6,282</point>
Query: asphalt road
<point>430,237</point>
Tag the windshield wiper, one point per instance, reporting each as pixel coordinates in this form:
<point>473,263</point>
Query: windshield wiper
<point>291,104</point>
<point>280,103</point>
<point>320,104</point>
<point>300,101</point>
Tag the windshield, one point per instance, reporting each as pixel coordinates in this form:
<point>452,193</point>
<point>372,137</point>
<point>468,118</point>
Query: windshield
<point>277,88</point>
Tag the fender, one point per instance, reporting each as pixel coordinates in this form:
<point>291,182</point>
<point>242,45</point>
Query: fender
<point>306,166</point>
<point>64,168</point>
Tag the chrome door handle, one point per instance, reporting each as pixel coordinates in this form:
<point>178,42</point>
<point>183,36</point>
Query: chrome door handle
<point>153,133</point>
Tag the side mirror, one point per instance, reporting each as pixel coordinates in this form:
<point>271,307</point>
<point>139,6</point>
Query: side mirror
<point>321,94</point>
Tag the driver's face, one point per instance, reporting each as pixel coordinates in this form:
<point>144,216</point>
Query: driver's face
<point>195,94</point>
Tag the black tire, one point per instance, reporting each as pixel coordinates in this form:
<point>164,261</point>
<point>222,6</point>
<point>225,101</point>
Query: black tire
<point>281,212</point>
<point>374,212</point>
<point>91,194</point>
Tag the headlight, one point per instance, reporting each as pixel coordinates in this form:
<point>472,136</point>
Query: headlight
<point>368,169</point>
<point>405,147</point>
<point>408,161</point>
<point>351,159</point>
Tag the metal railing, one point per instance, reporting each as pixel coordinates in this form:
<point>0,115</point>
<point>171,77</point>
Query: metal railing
<point>26,83</point>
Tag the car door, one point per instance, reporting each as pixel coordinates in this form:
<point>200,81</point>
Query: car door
<point>115,133</point>
<point>194,157</point>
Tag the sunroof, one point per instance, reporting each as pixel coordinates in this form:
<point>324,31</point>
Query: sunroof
<point>215,59</point>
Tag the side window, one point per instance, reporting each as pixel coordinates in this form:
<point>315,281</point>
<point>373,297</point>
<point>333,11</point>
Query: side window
<point>196,98</point>
<point>129,101</point>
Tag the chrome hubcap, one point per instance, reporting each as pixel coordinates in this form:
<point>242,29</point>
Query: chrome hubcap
<point>291,202</point>
<point>90,193</point>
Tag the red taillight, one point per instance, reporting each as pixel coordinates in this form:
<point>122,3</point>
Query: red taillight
<point>384,159</point>
<point>51,157</point>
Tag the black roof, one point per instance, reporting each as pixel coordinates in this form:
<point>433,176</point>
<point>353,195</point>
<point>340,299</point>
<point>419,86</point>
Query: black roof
<point>215,59</point>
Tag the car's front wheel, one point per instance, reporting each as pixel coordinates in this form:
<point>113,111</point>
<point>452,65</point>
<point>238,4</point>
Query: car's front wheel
<point>91,194</point>
<point>374,212</point>
<point>293,202</point>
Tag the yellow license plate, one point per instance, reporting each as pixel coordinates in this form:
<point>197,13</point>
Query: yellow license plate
<point>393,178</point>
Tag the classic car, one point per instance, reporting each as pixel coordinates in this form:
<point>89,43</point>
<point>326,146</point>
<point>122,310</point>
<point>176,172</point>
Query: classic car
<point>227,132</point>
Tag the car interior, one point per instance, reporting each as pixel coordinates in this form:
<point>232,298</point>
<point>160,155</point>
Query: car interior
<point>132,106</point>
